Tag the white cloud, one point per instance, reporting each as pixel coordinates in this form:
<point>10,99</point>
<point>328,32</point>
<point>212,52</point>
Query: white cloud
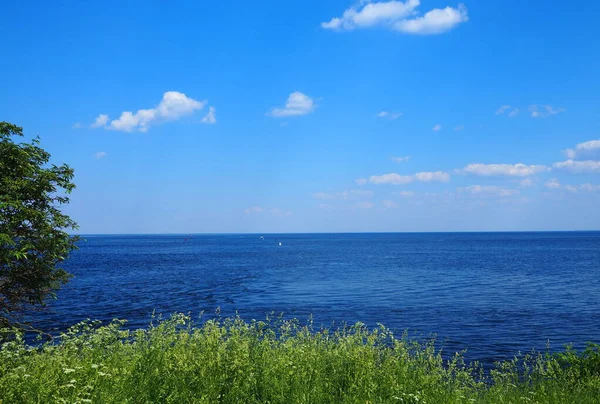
<point>526,183</point>
<point>588,166</point>
<point>406,194</point>
<point>254,209</point>
<point>128,122</point>
<point>389,115</point>
<point>345,195</point>
<point>100,121</point>
<point>401,159</point>
<point>77,125</point>
<point>544,111</point>
<point>173,106</point>
<point>297,104</point>
<point>439,176</point>
<point>571,188</point>
<point>552,184</point>
<point>372,14</point>
<point>508,170</point>
<point>502,109</point>
<point>513,111</point>
<point>210,118</point>
<point>488,190</point>
<point>459,128</point>
<point>435,21</point>
<point>397,179</point>
<point>589,187</point>
<point>588,146</point>
<point>570,153</point>
<point>399,16</point>
<point>583,148</point>
<point>581,188</point>
<point>437,128</point>
<point>99,155</point>
<point>393,178</point>
<point>389,204</point>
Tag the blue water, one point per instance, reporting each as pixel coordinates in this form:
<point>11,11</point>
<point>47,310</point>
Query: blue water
<point>494,294</point>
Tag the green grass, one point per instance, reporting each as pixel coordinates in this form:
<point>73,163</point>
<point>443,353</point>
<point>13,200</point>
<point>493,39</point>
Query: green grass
<point>232,361</point>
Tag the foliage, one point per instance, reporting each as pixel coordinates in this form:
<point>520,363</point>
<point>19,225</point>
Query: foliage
<point>275,361</point>
<point>33,231</point>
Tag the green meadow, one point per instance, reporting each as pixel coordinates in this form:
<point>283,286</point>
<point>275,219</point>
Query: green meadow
<point>275,361</point>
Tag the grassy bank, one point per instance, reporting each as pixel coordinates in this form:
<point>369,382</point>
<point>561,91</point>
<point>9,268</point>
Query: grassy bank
<point>231,361</point>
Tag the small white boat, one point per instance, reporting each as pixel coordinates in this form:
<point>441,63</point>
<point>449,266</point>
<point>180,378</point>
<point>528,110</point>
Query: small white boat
<point>280,243</point>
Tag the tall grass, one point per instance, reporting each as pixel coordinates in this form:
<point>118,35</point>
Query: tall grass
<point>275,361</point>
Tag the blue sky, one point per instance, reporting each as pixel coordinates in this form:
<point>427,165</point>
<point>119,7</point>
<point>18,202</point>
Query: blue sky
<point>312,116</point>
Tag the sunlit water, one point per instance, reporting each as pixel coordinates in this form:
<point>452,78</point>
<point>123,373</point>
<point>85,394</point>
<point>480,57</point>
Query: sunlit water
<point>494,294</point>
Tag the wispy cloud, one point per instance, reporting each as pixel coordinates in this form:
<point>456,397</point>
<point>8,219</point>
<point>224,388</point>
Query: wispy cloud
<point>502,170</point>
<point>583,148</point>
<point>544,111</point>
<point>77,125</point>
<point>406,194</point>
<point>392,178</point>
<point>389,204</point>
<point>575,189</point>
<point>437,128</point>
<point>100,155</point>
<point>526,183</point>
<point>588,188</point>
<point>210,118</point>
<point>173,106</point>
<point>364,205</point>
<point>397,179</point>
<point>512,112</point>
<point>588,166</point>
<point>436,21</point>
<point>345,195</point>
<point>401,159</point>
<point>436,176</point>
<point>100,121</point>
<point>552,184</point>
<point>254,209</point>
<point>459,128</point>
<point>489,190</point>
<point>273,211</point>
<point>389,115</point>
<point>297,104</point>
<point>398,16</point>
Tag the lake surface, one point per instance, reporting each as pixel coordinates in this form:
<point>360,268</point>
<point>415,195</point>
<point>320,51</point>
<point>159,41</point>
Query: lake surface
<point>494,294</point>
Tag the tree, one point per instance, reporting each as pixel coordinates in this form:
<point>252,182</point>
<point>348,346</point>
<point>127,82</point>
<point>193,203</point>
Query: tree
<point>34,238</point>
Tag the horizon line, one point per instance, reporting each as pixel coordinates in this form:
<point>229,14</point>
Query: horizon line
<point>347,232</point>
